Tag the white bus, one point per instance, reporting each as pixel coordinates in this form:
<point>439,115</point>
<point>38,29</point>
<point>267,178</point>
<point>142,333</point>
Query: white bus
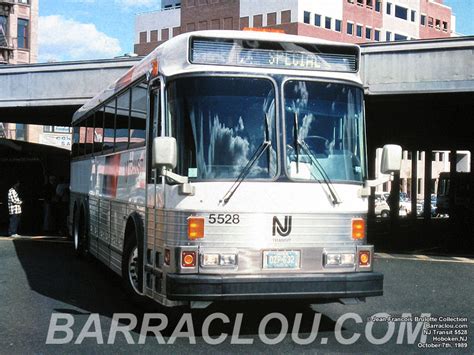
<point>229,165</point>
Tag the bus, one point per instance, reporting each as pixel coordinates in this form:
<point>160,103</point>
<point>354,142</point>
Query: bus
<point>230,165</point>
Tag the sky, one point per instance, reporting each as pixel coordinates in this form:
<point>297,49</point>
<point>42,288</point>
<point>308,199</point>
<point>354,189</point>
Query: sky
<point>96,29</point>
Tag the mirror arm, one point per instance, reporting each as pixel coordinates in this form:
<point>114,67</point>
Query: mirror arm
<point>185,188</point>
<point>365,191</point>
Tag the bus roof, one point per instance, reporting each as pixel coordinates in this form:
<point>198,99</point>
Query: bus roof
<point>172,57</point>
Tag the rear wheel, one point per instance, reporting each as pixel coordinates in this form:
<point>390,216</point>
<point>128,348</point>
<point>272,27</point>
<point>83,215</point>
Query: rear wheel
<point>79,233</point>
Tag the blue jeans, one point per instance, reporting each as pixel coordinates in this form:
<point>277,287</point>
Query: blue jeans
<point>14,222</point>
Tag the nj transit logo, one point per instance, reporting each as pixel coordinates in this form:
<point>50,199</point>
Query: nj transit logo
<point>283,230</point>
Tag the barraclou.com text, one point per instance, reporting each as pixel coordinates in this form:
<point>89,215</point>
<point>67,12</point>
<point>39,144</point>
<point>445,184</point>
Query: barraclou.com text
<point>155,327</point>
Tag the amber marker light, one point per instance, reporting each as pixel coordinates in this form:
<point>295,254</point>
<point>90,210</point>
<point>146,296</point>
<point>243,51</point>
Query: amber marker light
<point>364,258</point>
<point>195,227</point>
<point>262,29</point>
<point>188,259</point>
<point>167,257</point>
<point>358,228</point>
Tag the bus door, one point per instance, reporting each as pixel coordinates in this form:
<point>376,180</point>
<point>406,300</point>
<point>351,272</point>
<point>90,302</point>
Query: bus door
<point>154,254</point>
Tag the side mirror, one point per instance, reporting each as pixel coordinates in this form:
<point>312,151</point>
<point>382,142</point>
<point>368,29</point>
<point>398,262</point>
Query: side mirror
<point>164,153</point>
<point>391,159</point>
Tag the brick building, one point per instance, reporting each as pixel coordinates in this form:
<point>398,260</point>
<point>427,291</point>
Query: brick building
<point>353,21</point>
<point>18,31</point>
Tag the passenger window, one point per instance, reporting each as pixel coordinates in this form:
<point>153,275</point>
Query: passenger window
<point>138,116</point>
<point>122,121</point>
<point>109,126</point>
<point>98,130</point>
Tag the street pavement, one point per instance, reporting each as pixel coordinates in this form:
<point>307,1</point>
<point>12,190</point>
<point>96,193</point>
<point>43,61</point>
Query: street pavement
<point>41,276</point>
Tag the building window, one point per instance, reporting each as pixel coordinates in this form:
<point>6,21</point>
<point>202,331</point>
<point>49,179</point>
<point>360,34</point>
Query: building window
<point>401,12</point>
<point>271,19</point>
<point>430,21</point>
<point>369,3</point>
<point>23,38</point>
<point>3,24</point>
<point>423,20</point>
<point>389,8</point>
<point>24,2</point>
<point>378,5</point>
<point>202,26</point>
<point>338,25</point>
<point>388,36</point>
<point>368,32</point>
<point>216,24</point>
<point>399,37</point>
<point>327,23</point>
<point>229,22</point>
<point>154,36</point>
<point>317,20</point>
<point>257,20</point>
<point>306,17</point>
<point>286,16</point>
<point>350,28</point>
<point>377,35</point>
<point>244,22</point>
<point>413,15</point>
<point>360,2</point>
<point>143,37</point>
<point>359,31</point>
<point>445,26</point>
<point>438,25</point>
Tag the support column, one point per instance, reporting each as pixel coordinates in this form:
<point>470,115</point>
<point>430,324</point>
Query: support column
<point>452,182</point>
<point>414,183</point>
<point>427,187</point>
<point>394,202</point>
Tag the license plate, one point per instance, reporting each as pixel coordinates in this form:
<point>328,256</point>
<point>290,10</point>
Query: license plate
<point>281,259</point>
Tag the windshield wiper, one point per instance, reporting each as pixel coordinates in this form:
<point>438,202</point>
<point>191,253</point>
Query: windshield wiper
<point>253,159</point>
<point>295,140</point>
<point>297,143</point>
<point>335,198</point>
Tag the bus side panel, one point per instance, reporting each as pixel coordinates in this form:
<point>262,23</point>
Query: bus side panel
<point>117,189</point>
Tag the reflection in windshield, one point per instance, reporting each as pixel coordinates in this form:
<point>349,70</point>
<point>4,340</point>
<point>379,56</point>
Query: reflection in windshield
<point>328,118</point>
<point>219,124</point>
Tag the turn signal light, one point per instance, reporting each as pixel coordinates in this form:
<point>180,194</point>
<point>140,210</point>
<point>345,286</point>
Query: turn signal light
<point>364,258</point>
<point>358,228</point>
<point>195,227</point>
<point>188,259</point>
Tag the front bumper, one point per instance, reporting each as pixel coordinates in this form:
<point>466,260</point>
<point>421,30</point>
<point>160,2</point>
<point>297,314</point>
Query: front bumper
<point>248,287</point>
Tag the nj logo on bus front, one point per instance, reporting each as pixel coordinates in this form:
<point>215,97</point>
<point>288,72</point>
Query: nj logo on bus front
<point>282,229</point>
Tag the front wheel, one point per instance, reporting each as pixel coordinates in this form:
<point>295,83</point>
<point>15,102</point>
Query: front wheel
<point>132,269</point>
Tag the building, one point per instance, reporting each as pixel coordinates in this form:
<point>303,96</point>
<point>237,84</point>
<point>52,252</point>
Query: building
<point>19,45</point>
<point>18,31</point>
<point>352,21</point>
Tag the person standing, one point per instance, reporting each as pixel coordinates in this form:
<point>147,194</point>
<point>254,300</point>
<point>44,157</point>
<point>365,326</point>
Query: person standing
<point>14,209</point>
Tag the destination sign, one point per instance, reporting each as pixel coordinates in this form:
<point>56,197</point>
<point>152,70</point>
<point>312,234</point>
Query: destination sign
<point>233,53</point>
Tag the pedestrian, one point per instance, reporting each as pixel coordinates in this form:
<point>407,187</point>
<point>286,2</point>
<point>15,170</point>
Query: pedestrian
<point>49,196</point>
<point>62,197</point>
<point>14,209</point>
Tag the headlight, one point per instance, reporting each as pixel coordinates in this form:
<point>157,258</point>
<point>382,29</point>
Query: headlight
<point>339,259</point>
<point>216,259</point>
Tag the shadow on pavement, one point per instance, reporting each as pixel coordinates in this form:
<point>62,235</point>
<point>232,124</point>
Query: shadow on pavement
<point>87,286</point>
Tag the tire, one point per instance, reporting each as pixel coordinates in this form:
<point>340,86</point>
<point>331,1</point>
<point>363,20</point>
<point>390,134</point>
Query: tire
<point>79,235</point>
<point>132,268</point>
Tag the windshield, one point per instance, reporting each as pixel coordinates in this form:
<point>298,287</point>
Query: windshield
<point>220,123</point>
<point>327,119</point>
